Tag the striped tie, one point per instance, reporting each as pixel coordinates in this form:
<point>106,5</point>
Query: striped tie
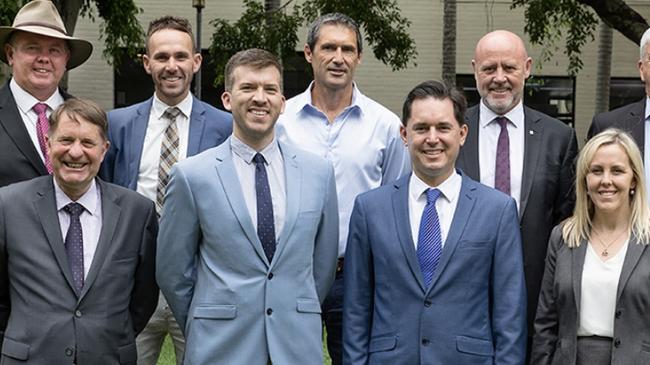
<point>429,238</point>
<point>168,155</point>
<point>42,127</point>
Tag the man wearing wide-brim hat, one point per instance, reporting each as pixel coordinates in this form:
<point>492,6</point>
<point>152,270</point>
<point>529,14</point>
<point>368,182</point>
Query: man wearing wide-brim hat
<point>39,51</point>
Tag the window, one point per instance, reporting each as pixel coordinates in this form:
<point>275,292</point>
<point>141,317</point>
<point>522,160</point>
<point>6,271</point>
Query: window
<point>625,90</point>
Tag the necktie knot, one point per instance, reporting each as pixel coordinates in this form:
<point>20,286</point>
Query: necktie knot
<point>432,195</point>
<point>502,121</point>
<point>40,108</point>
<point>258,159</point>
<point>171,113</point>
<point>74,209</point>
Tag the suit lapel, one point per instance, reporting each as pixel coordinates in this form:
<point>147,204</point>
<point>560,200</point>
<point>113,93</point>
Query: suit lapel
<point>632,256</point>
<point>230,182</point>
<point>197,125</point>
<point>293,177</point>
<point>636,123</point>
<point>466,200</point>
<point>12,122</point>
<point>400,201</point>
<point>45,205</point>
<point>470,148</point>
<point>532,145</point>
<point>110,217</point>
<point>577,265</point>
<point>139,129</point>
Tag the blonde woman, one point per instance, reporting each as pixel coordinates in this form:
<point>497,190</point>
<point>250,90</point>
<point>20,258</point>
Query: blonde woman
<point>594,307</point>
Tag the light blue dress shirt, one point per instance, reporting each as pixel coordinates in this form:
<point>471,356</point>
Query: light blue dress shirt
<point>363,144</point>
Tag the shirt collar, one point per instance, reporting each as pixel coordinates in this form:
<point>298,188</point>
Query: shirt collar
<point>158,107</point>
<point>88,200</point>
<point>357,102</point>
<point>26,101</point>
<point>246,153</point>
<point>449,189</point>
<point>515,115</point>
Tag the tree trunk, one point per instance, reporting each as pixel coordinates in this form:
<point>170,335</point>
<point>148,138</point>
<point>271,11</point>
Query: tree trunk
<point>69,11</point>
<point>620,16</point>
<point>449,42</point>
<point>604,68</point>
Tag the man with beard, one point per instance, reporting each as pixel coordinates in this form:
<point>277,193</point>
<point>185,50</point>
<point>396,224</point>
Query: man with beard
<point>519,151</point>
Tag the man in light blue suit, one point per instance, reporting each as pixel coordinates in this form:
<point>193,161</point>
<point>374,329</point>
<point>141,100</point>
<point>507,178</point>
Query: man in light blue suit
<point>434,271</point>
<point>249,234</point>
<point>147,138</point>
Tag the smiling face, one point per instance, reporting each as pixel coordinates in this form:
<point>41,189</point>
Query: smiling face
<point>255,101</point>
<point>76,148</point>
<point>37,62</point>
<point>335,57</point>
<point>171,62</point>
<point>610,179</point>
<point>434,137</point>
<point>501,67</point>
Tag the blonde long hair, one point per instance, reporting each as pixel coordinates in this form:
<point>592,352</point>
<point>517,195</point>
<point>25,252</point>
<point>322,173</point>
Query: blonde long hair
<point>578,227</point>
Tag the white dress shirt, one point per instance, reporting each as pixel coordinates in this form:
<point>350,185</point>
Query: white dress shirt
<point>90,218</point>
<point>25,102</point>
<point>445,205</point>
<point>488,138</point>
<point>150,159</point>
<point>598,292</point>
<point>242,156</point>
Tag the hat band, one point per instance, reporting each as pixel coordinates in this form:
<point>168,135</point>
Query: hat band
<point>41,25</point>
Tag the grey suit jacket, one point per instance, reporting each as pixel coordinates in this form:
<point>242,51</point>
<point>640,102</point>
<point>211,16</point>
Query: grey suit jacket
<point>629,118</point>
<point>19,159</point>
<point>556,324</point>
<point>234,305</point>
<point>547,195</point>
<point>43,320</point>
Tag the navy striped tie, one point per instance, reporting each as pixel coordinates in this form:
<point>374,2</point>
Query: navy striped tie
<point>429,237</point>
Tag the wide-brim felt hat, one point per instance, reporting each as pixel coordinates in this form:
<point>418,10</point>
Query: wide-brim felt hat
<point>41,17</point>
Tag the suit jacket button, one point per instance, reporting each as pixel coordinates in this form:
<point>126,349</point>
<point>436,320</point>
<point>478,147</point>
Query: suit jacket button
<point>269,311</point>
<point>68,352</point>
<point>77,314</point>
<point>425,342</point>
<point>270,276</point>
<point>617,343</point>
<point>427,303</point>
<point>617,314</point>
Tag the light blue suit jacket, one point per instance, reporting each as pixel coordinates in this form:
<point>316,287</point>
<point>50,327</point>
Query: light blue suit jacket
<point>127,127</point>
<point>474,311</point>
<point>234,305</point>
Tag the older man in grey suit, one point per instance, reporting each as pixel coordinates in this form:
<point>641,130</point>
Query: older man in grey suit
<point>249,234</point>
<point>76,254</point>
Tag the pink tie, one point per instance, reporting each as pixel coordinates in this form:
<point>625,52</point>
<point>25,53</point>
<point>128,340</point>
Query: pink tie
<point>42,126</point>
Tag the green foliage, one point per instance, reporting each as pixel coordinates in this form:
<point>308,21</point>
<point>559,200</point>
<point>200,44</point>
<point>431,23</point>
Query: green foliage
<point>276,30</point>
<point>550,21</point>
<point>8,10</point>
<point>120,28</point>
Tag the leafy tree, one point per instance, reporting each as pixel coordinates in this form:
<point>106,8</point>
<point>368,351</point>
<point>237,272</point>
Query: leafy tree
<point>120,28</point>
<point>273,28</point>
<point>550,21</point>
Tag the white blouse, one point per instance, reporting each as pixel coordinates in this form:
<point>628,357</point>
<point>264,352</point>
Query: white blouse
<point>598,293</point>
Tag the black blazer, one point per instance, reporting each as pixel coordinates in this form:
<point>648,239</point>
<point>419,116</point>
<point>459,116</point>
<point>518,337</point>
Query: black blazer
<point>19,159</point>
<point>547,195</point>
<point>629,118</point>
<point>556,324</point>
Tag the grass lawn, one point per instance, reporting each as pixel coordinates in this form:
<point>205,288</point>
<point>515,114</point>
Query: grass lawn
<point>167,354</point>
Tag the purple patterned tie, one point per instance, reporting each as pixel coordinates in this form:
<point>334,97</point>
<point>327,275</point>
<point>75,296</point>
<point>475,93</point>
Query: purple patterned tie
<point>42,126</point>
<point>265,224</point>
<point>502,167</point>
<point>74,245</point>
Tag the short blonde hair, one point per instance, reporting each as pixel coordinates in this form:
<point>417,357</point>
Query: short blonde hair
<point>578,226</point>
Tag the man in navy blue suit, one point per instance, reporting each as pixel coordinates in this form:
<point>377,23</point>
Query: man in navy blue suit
<point>149,137</point>
<point>434,270</point>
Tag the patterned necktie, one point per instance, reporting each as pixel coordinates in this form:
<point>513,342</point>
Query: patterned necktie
<point>74,245</point>
<point>502,166</point>
<point>168,156</point>
<point>265,224</point>
<point>42,127</point>
<point>429,237</point>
